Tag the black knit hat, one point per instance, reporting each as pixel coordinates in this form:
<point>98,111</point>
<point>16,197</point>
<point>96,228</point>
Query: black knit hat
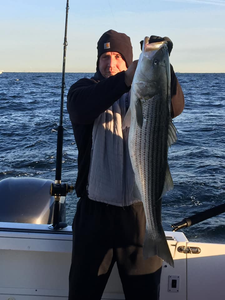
<point>113,41</point>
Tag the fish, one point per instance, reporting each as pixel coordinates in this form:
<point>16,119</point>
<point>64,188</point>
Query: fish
<point>151,133</point>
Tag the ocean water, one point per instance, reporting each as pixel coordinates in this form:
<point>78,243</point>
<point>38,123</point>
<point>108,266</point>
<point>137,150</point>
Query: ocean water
<point>30,109</point>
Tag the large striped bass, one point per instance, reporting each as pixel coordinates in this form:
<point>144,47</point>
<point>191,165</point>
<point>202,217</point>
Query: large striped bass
<point>151,133</point>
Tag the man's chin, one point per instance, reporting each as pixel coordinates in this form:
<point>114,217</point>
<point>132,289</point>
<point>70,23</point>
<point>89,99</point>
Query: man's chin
<point>111,74</point>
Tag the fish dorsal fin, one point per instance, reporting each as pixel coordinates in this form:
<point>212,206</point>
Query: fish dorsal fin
<point>139,113</point>
<point>168,184</point>
<point>127,119</point>
<point>172,134</point>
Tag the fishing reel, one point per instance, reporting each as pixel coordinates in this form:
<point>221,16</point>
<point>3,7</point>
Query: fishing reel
<point>58,189</point>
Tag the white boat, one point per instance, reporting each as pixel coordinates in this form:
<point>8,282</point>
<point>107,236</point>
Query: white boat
<point>35,257</point>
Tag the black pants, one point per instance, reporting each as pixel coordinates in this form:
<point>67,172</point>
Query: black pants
<point>102,235</point>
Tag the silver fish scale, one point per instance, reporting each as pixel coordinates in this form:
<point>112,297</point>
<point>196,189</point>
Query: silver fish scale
<point>149,158</point>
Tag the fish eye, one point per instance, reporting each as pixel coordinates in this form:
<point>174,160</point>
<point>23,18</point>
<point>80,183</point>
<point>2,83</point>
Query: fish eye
<point>155,62</point>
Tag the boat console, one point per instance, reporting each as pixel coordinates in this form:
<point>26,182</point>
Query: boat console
<point>28,200</point>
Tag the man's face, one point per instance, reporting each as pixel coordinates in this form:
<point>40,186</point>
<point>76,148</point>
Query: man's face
<point>111,63</point>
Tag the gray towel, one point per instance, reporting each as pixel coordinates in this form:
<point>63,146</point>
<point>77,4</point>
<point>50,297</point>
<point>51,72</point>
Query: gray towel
<point>111,177</point>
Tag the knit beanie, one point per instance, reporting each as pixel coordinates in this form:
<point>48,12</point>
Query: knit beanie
<point>113,41</point>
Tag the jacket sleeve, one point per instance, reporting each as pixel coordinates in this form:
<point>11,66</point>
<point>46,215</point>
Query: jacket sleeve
<point>177,96</point>
<point>87,99</point>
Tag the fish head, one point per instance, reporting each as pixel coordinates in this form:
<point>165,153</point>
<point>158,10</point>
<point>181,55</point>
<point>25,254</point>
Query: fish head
<point>153,69</point>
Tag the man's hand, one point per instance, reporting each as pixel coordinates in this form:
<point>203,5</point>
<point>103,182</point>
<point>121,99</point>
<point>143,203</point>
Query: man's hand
<point>129,73</point>
<point>156,38</point>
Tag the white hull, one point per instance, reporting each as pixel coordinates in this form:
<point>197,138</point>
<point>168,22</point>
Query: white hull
<point>35,262</point>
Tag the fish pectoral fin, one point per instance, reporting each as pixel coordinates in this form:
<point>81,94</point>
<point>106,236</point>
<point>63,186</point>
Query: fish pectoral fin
<point>127,119</point>
<point>139,112</point>
<point>168,184</point>
<point>172,134</point>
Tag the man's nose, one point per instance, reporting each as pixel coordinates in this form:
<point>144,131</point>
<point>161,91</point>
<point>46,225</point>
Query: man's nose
<point>111,61</point>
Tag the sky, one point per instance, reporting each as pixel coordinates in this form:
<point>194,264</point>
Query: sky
<point>32,32</point>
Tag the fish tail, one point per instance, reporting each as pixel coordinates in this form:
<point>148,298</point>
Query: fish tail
<point>159,248</point>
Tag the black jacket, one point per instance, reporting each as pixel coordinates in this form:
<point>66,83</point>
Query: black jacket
<point>87,99</point>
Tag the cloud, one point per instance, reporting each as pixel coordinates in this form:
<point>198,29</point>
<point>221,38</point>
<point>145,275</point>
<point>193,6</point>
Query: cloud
<point>210,2</point>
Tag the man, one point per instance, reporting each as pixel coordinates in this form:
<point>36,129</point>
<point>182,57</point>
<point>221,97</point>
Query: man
<point>109,224</point>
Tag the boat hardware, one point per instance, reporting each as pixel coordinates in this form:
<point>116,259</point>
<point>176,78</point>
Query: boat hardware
<point>189,250</point>
<point>173,284</point>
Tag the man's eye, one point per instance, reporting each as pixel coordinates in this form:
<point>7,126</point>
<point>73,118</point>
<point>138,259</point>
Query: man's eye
<point>118,57</point>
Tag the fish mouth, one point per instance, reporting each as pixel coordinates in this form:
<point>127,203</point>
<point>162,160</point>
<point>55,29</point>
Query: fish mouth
<point>152,50</point>
<point>152,46</point>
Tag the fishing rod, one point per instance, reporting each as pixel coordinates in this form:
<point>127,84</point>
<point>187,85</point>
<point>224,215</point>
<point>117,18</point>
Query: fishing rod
<point>57,189</point>
<point>199,217</point>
